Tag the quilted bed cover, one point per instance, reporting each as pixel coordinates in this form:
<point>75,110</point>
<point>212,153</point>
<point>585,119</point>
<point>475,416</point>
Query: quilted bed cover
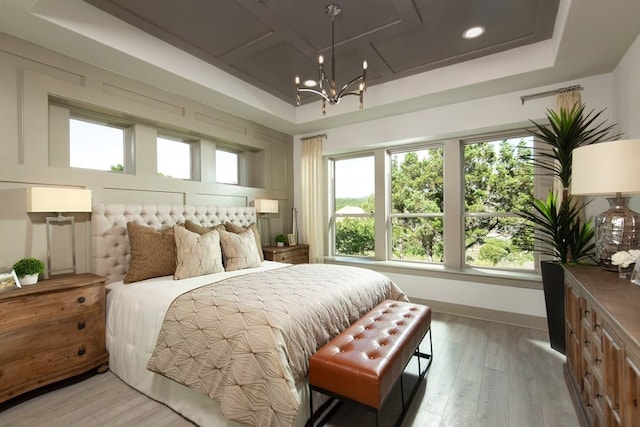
<point>246,340</point>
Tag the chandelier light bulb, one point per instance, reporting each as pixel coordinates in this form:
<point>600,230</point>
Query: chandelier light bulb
<point>320,59</point>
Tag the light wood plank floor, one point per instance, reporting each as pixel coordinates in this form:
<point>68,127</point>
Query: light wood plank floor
<point>483,374</point>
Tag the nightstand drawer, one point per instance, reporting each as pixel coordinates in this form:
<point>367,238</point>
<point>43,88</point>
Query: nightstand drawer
<point>29,310</point>
<point>32,369</point>
<point>46,336</point>
<point>298,254</point>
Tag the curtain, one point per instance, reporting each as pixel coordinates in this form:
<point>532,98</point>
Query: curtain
<point>311,200</point>
<point>567,99</point>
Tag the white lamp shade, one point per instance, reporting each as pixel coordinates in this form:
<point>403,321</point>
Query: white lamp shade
<point>266,206</point>
<point>607,168</point>
<point>52,199</point>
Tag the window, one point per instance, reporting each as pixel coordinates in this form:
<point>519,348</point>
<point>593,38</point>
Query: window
<point>353,222</point>
<point>174,158</point>
<point>497,182</point>
<point>417,205</point>
<point>96,146</point>
<point>226,167</point>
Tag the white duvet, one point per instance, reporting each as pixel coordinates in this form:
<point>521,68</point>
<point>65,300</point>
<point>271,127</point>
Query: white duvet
<point>135,313</point>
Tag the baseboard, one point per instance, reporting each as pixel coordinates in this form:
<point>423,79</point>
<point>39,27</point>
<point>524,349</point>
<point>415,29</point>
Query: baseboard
<point>518,319</point>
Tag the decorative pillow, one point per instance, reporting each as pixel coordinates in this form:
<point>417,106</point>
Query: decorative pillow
<point>197,254</point>
<point>197,228</point>
<point>254,228</point>
<point>153,253</point>
<point>239,250</point>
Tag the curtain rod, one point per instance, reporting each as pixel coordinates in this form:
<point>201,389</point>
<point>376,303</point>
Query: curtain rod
<point>550,92</point>
<point>322,135</point>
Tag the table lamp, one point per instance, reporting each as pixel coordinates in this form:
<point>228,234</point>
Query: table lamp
<point>52,199</point>
<point>610,168</point>
<point>264,207</point>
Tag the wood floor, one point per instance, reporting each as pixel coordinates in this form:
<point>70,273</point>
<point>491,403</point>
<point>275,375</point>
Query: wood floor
<point>483,374</point>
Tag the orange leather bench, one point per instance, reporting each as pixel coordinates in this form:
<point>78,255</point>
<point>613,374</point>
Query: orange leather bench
<point>364,362</point>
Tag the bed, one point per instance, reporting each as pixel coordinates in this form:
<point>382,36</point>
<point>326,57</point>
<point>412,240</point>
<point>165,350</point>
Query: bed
<point>136,313</point>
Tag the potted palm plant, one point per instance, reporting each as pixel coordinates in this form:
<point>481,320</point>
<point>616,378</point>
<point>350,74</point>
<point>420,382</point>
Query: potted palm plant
<point>562,236</point>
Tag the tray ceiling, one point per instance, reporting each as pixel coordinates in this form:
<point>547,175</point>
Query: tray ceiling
<point>268,42</point>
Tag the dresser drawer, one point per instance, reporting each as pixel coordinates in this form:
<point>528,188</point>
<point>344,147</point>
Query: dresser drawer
<point>30,310</point>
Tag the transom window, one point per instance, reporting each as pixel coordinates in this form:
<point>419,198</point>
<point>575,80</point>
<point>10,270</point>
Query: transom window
<point>174,158</point>
<point>226,167</point>
<point>96,145</point>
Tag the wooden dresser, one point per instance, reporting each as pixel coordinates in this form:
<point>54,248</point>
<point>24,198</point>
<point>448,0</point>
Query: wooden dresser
<point>603,346</point>
<point>51,331</point>
<point>297,254</point>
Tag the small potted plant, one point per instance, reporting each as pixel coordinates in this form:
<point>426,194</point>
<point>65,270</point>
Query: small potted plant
<point>280,239</point>
<point>28,269</point>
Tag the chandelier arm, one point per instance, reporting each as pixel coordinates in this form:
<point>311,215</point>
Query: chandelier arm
<point>317,92</point>
<point>346,86</point>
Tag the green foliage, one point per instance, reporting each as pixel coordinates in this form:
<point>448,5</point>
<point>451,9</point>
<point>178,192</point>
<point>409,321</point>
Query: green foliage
<point>355,236</point>
<point>281,238</point>
<point>560,231</point>
<point>562,234</point>
<point>117,168</point>
<point>28,266</point>
<point>567,130</point>
<point>350,201</point>
<point>495,251</point>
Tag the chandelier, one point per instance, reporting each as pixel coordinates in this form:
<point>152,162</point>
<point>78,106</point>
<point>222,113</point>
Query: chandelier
<point>328,89</point>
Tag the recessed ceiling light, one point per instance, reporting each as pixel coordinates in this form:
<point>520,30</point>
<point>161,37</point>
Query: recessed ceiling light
<point>310,83</point>
<point>473,32</point>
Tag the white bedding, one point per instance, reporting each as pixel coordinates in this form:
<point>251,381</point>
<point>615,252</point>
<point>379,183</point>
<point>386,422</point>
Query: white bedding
<point>135,313</point>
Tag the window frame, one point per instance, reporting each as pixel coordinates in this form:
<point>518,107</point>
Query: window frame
<point>493,137</point>
<point>391,215</point>
<point>193,153</point>
<point>238,161</point>
<point>333,216</point>
<point>106,121</point>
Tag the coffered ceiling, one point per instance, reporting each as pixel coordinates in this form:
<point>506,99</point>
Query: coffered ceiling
<point>268,42</point>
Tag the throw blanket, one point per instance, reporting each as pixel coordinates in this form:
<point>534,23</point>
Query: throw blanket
<point>246,340</point>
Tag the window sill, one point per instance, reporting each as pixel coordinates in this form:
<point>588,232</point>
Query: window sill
<point>479,275</point>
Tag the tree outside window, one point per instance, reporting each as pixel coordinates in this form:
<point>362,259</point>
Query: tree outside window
<point>497,183</point>
<point>417,189</point>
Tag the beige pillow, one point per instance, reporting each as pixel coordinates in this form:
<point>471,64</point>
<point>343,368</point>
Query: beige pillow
<point>153,253</point>
<point>197,254</point>
<point>254,228</point>
<point>239,250</point>
<point>197,228</point>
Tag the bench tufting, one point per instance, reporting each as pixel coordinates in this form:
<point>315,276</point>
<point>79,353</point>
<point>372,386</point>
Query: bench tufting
<point>365,361</point>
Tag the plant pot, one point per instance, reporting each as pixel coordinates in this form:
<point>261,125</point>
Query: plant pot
<point>29,279</point>
<point>553,285</point>
<point>279,244</point>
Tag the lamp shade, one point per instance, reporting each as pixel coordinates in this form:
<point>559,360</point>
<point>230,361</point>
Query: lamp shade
<point>606,168</point>
<point>266,206</point>
<point>52,199</point>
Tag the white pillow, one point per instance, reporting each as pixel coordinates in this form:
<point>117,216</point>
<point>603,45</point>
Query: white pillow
<point>239,250</point>
<point>197,254</point>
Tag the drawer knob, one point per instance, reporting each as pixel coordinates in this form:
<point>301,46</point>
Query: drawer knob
<point>81,300</point>
<point>82,350</point>
<point>81,324</point>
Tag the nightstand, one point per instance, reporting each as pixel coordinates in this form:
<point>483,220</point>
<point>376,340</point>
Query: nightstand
<point>51,331</point>
<point>298,254</point>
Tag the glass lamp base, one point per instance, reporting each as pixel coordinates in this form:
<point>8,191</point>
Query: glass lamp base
<point>617,229</point>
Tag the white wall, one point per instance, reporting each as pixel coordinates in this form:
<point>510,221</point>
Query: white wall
<point>489,114</point>
<point>32,146</point>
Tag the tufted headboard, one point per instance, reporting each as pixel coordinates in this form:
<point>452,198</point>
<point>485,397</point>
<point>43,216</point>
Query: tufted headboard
<point>110,251</point>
